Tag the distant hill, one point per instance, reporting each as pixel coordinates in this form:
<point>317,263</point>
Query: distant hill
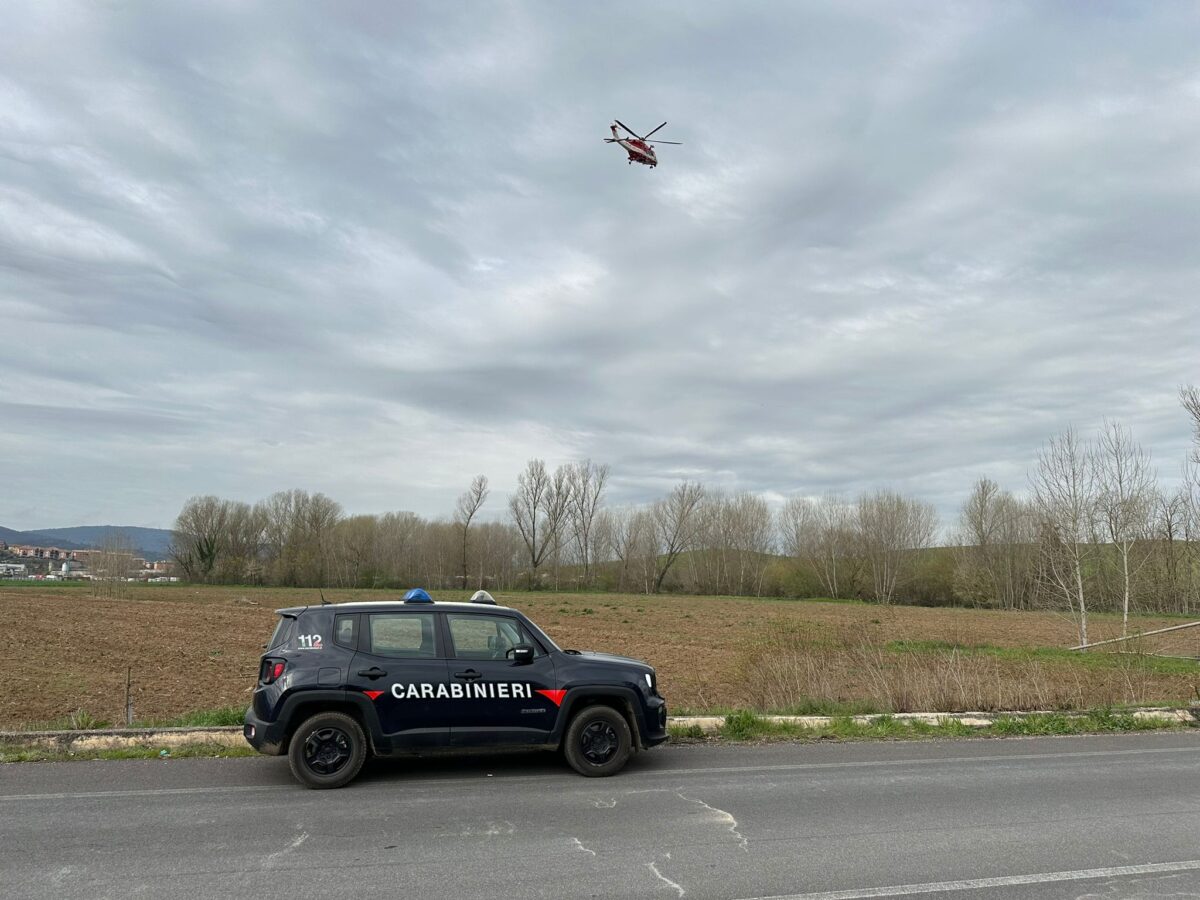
<point>151,543</point>
<point>38,538</point>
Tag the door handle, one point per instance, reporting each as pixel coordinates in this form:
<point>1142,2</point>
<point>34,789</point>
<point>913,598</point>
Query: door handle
<point>373,672</point>
<point>469,675</point>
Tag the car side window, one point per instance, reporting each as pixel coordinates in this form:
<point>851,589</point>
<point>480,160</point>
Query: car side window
<point>345,630</point>
<point>487,637</point>
<point>403,635</point>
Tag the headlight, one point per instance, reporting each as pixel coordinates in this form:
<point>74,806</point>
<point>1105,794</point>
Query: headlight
<point>649,681</point>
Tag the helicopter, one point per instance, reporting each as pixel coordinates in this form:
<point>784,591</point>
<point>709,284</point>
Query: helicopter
<point>639,147</point>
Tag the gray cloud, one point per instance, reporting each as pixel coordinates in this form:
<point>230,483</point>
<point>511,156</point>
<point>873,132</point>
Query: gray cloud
<point>374,250</point>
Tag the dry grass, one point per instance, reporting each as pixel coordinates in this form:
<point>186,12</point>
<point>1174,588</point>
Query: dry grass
<point>861,669</point>
<point>194,648</point>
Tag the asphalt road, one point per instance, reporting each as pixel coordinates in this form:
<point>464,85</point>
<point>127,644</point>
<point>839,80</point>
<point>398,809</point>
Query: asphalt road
<point>1055,817</point>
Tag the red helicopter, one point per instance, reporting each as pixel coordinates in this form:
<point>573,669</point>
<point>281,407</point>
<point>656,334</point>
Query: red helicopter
<point>639,148</point>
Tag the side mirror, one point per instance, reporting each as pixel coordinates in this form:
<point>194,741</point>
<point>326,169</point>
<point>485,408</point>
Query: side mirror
<point>522,654</point>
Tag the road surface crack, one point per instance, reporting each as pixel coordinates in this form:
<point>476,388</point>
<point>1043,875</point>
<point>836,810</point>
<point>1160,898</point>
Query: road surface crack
<point>724,818</point>
<point>653,867</point>
<point>300,839</point>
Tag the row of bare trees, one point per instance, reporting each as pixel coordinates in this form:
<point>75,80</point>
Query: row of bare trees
<point>866,548</point>
<point>1094,530</point>
<point>1097,531</point>
<point>559,535</point>
<point>293,538</point>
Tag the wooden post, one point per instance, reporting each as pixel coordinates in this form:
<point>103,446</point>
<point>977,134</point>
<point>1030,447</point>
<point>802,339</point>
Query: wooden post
<point>129,697</point>
<point>1134,636</point>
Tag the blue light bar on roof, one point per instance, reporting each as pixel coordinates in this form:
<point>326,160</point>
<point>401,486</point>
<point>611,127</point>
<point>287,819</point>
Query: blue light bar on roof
<point>418,595</point>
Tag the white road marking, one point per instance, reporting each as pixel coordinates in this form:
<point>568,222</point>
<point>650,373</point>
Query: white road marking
<point>438,783</point>
<point>142,792</point>
<point>976,884</point>
<point>922,761</point>
<point>724,818</point>
<point>579,846</point>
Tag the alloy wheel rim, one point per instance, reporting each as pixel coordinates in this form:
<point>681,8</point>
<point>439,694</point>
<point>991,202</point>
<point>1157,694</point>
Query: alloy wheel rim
<point>327,750</point>
<point>599,742</point>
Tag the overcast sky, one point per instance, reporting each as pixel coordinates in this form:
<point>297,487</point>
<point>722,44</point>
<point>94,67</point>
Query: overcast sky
<point>373,249</point>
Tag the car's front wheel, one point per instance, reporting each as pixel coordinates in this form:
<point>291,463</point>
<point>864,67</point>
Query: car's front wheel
<point>327,750</point>
<point>598,741</point>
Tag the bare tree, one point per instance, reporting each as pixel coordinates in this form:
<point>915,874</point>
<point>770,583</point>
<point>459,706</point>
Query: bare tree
<point>243,544</point>
<point>396,547</point>
<point>1189,505</point>
<point>602,541</point>
<point>632,540</point>
<point>754,540</point>
<point>586,482</point>
<point>1189,396</point>
<point>298,536</point>
<point>675,526</point>
<point>820,533</point>
<point>528,508</point>
<point>355,551</point>
<point>995,564</point>
<point>112,565</point>
<point>1126,492</point>
<point>558,505</point>
<point>469,504</point>
<point>499,554</point>
<point>1064,494</point>
<point>890,528</point>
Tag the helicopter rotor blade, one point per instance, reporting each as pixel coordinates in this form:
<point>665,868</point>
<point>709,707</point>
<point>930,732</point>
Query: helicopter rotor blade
<point>652,132</point>
<point>627,128</point>
<point>666,142</point>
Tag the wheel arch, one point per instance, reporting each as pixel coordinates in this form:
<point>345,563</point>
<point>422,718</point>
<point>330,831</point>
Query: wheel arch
<point>303,705</point>
<point>617,698</point>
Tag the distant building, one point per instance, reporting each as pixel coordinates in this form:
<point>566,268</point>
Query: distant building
<point>12,570</point>
<point>31,552</point>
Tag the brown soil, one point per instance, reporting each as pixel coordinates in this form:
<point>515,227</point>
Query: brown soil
<point>193,648</point>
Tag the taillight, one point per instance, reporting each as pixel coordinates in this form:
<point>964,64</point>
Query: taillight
<point>271,670</point>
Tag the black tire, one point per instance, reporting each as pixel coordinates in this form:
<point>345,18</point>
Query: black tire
<point>598,742</point>
<point>327,750</point>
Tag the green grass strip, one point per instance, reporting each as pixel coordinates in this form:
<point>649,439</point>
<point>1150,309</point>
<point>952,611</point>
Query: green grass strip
<point>12,753</point>
<point>747,726</point>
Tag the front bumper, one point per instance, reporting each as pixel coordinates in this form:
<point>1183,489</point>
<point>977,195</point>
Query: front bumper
<point>656,722</point>
<point>265,737</point>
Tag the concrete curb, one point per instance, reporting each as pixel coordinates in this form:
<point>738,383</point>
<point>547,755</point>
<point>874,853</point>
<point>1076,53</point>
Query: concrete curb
<point>231,735</point>
<point>712,724</point>
<point>122,738</point>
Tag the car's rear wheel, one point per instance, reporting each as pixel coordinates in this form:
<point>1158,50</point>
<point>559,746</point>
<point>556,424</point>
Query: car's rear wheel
<point>598,742</point>
<point>327,750</point>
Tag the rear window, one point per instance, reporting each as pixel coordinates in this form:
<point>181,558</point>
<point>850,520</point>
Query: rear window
<point>403,634</point>
<point>284,630</point>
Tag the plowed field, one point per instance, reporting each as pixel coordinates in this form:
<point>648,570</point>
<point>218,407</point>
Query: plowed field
<point>193,648</point>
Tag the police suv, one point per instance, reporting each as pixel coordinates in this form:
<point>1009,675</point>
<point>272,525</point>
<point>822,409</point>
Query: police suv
<point>408,677</point>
